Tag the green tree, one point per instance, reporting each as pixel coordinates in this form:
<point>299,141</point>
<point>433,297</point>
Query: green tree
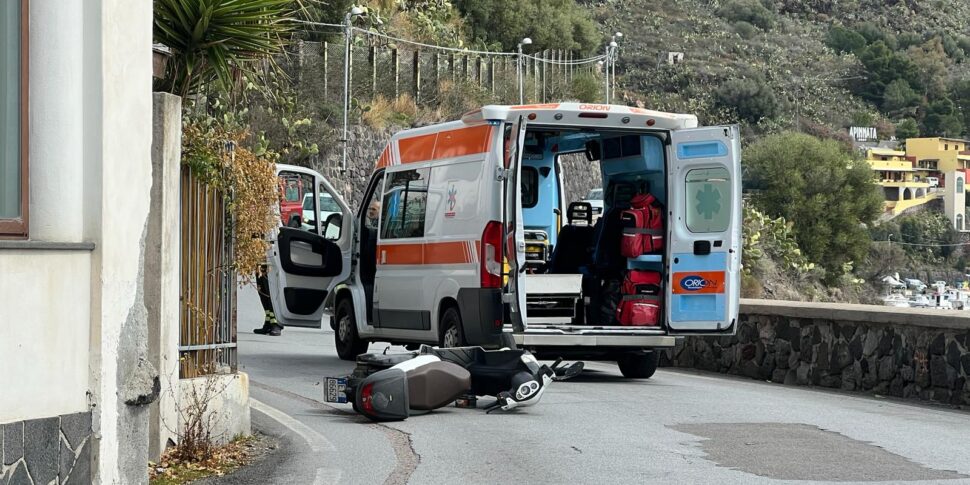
<point>960,93</point>
<point>942,119</point>
<point>884,66</point>
<point>745,30</point>
<point>873,33</point>
<point>822,188</point>
<point>909,39</point>
<point>899,97</point>
<point>586,88</point>
<point>503,23</point>
<point>751,11</point>
<point>845,40</point>
<point>329,12</point>
<point>750,97</point>
<point>932,229</point>
<point>907,129</point>
<point>931,61</point>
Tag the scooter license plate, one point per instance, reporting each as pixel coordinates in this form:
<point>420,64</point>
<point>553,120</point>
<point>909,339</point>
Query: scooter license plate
<point>334,390</point>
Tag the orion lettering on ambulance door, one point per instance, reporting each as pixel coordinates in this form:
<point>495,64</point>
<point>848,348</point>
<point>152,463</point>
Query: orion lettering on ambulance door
<point>698,282</point>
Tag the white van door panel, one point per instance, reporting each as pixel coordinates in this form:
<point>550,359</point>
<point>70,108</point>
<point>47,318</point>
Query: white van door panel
<point>401,246</point>
<point>309,258</point>
<point>515,230</point>
<point>703,285</point>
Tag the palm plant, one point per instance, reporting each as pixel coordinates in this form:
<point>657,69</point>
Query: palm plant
<point>214,40</point>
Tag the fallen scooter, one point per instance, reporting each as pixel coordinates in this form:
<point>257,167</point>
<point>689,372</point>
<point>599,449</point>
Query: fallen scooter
<point>392,387</point>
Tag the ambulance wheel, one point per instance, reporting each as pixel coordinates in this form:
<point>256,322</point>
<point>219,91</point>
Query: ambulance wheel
<point>348,343</point>
<point>451,336</point>
<point>639,365</point>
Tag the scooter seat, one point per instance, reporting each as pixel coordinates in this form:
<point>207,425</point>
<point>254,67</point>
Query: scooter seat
<point>435,384</point>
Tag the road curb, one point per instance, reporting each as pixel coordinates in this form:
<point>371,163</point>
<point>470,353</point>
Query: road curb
<point>316,441</point>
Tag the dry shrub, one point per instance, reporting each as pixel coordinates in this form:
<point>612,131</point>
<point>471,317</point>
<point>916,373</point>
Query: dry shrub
<point>400,111</point>
<point>196,443</point>
<point>405,106</point>
<point>248,182</point>
<point>254,198</point>
<point>377,113</point>
<point>458,98</point>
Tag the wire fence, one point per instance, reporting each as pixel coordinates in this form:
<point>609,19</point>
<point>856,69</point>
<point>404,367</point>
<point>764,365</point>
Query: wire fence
<point>384,66</point>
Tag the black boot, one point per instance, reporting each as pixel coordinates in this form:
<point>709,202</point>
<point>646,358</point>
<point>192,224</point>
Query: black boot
<point>270,325</point>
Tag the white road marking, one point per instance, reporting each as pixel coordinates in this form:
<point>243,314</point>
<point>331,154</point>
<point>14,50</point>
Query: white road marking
<point>318,443</point>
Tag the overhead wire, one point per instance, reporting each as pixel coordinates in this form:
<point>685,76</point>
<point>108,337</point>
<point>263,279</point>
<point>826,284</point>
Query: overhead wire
<point>392,38</point>
<point>923,244</point>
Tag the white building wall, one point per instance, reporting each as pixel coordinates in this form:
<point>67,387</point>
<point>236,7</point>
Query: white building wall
<point>45,295</point>
<point>954,201</point>
<point>125,142</point>
<point>69,315</point>
<point>44,306</point>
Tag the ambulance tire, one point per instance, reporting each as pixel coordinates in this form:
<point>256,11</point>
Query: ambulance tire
<point>639,365</point>
<point>451,333</point>
<point>348,343</point>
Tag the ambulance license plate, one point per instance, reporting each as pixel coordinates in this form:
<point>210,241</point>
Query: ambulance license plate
<point>334,390</point>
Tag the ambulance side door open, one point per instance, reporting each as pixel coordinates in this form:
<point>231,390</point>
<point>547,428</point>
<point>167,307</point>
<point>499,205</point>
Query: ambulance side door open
<point>305,263</point>
<point>704,283</point>
<point>515,229</point>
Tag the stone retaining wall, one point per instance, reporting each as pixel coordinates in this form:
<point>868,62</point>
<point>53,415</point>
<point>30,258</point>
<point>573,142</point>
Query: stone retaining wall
<point>901,352</point>
<point>44,451</point>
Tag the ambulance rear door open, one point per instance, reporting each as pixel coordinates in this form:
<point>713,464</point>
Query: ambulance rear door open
<point>704,203</point>
<point>515,295</point>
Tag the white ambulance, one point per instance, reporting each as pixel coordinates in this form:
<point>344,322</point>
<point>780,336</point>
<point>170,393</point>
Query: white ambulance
<point>464,237</point>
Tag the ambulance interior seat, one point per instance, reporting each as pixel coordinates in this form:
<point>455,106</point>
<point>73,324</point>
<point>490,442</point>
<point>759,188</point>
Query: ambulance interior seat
<point>572,249</point>
<point>607,260</point>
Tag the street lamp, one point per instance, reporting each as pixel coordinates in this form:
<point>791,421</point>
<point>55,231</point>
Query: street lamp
<point>348,33</point>
<point>525,41</point>
<point>611,67</point>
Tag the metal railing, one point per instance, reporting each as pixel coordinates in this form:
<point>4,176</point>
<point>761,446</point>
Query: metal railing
<point>207,336</point>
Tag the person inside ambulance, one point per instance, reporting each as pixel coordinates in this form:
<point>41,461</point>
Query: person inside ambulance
<point>373,214</point>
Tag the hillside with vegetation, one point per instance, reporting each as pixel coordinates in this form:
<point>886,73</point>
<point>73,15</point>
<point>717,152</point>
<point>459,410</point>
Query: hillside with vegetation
<point>816,65</point>
<point>793,73</point>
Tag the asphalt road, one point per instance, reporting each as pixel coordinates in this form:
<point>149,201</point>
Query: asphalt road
<point>677,427</point>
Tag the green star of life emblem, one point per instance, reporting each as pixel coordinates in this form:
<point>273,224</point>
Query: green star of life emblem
<point>708,201</point>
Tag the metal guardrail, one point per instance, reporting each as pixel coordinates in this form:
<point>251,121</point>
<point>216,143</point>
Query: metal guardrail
<point>207,331</point>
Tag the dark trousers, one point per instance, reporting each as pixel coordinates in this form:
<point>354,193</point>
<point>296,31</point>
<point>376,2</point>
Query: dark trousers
<point>262,287</point>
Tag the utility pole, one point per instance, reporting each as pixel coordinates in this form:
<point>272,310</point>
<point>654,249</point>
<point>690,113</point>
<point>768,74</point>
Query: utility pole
<point>348,33</point>
<point>606,76</point>
<point>520,72</point>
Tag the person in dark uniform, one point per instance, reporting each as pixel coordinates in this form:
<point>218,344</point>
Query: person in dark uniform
<point>270,325</point>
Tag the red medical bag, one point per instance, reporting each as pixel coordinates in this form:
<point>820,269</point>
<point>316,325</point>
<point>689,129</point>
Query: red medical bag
<point>640,304</point>
<point>642,227</point>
